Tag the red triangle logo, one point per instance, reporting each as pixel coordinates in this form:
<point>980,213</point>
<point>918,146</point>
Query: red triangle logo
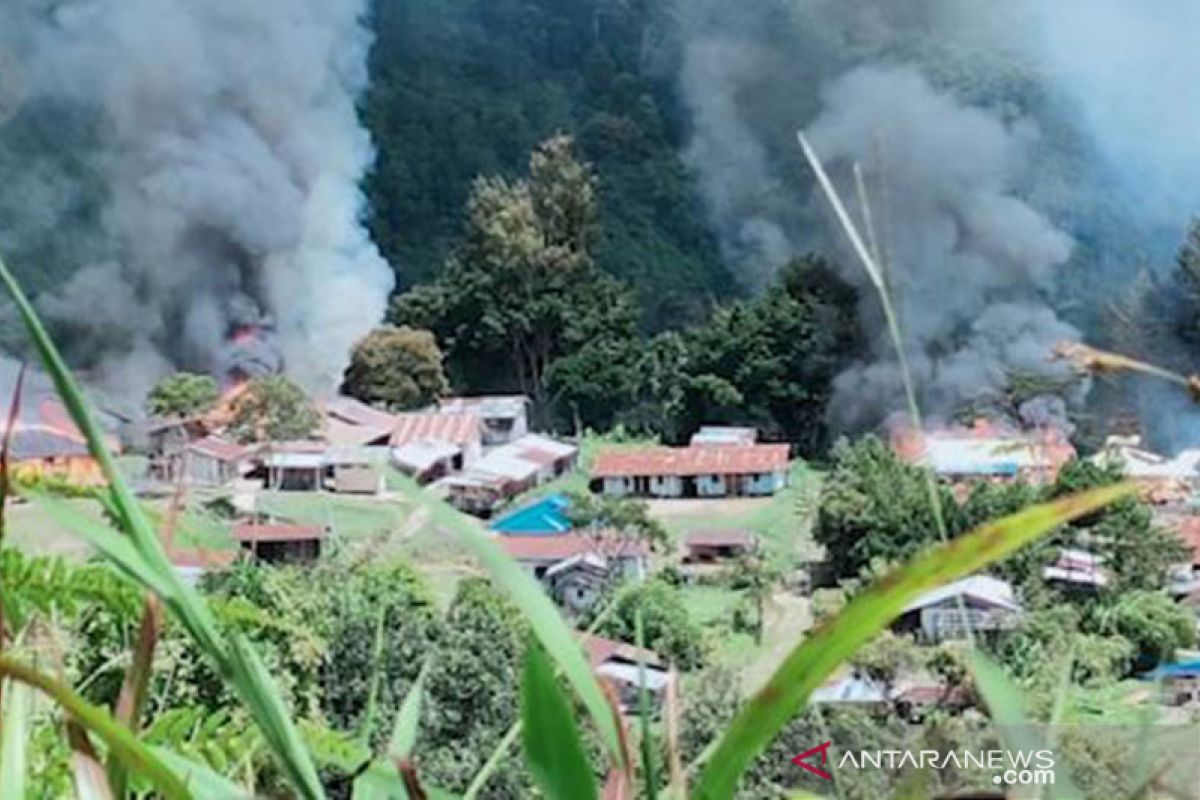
<point>800,760</point>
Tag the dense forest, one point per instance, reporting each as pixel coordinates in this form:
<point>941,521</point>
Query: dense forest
<point>466,89</point>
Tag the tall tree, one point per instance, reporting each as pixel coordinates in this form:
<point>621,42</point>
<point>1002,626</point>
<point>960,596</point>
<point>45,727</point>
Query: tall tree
<point>771,362</point>
<point>273,408</point>
<point>398,368</point>
<point>521,287</point>
<point>183,394</point>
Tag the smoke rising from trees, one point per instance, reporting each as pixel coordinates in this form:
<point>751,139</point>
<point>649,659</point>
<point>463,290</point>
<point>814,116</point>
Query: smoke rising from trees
<point>203,161</point>
<point>1015,182</point>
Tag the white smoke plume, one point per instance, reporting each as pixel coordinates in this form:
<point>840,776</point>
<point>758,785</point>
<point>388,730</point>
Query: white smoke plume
<point>967,257</point>
<point>226,156</point>
<point>924,96</point>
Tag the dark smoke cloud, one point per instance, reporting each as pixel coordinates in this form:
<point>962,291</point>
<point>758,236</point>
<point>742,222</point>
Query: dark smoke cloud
<point>966,257</point>
<point>1005,172</point>
<point>219,180</point>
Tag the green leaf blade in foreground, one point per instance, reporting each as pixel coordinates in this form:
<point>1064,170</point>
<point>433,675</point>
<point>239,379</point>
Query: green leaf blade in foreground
<point>539,611</point>
<point>382,779</point>
<point>14,732</point>
<point>122,744</point>
<point>813,661</point>
<point>553,750</point>
<point>238,666</point>
<point>1006,708</point>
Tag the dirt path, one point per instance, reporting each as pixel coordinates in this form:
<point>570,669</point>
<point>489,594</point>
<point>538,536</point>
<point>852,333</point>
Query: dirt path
<point>788,617</point>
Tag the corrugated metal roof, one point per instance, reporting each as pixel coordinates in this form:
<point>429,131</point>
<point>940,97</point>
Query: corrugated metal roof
<point>460,429</point>
<point>557,548</point>
<point>691,461</point>
<point>497,406</point>
<point>600,650</point>
<point>724,435</point>
<point>734,537</point>
<point>984,588</point>
<point>221,449</point>
<point>350,411</point>
<point>254,532</point>
<point>295,460</point>
<point>421,456</point>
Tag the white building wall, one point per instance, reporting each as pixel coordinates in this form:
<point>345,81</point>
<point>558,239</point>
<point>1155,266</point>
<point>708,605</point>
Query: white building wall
<point>618,487</point>
<point>766,482</point>
<point>666,486</point>
<point>711,486</point>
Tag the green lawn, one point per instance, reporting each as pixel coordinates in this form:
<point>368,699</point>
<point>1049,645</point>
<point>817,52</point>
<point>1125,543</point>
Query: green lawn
<point>783,521</point>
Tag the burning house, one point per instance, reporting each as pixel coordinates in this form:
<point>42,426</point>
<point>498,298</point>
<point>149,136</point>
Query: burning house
<point>1161,481</point>
<point>45,442</point>
<point>986,451</point>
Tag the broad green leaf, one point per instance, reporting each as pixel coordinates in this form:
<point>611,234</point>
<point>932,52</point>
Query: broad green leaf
<point>204,783</point>
<point>649,769</point>
<point>404,731</point>
<point>14,732</point>
<point>122,744</point>
<point>829,645</point>
<point>538,610</point>
<point>1006,706</point>
<point>382,780</point>
<point>233,660</point>
<point>553,750</point>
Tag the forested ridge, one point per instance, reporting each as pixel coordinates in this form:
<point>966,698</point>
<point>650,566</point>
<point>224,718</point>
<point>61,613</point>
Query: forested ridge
<point>466,89</point>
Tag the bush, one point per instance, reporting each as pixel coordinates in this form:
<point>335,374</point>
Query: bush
<point>668,628</point>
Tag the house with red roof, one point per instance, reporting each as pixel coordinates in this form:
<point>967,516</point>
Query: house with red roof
<point>505,418</point>
<point>575,569</point>
<point>277,543</point>
<point>624,667</point>
<point>733,470</point>
<point>45,442</point>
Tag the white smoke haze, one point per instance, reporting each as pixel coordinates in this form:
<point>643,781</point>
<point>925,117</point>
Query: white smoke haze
<point>967,258</point>
<point>1131,71</point>
<point>229,154</point>
<point>995,138</point>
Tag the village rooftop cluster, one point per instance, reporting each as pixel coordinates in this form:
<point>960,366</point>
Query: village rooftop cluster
<point>481,455</point>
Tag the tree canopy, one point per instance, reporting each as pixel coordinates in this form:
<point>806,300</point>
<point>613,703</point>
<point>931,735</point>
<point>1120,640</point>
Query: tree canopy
<point>273,408</point>
<point>396,368</point>
<point>183,394</point>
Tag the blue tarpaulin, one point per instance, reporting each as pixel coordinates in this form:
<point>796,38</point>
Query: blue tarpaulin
<point>545,517</point>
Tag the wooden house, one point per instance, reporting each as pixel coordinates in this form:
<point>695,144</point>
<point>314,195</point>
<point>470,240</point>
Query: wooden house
<point>623,666</point>
<point>717,546</point>
<point>276,543</point>
<point>209,461</point>
<point>576,569</point>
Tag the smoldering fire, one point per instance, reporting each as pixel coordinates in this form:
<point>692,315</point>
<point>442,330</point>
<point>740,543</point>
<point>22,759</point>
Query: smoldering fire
<point>221,158</point>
